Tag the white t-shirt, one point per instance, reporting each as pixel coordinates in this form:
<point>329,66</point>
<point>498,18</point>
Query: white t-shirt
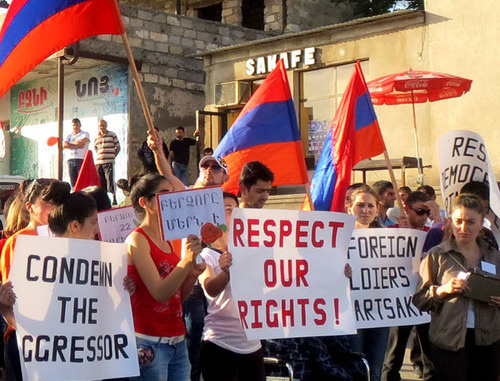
<point>222,324</point>
<point>80,152</point>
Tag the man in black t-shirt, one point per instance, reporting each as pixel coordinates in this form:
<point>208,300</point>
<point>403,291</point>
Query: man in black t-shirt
<point>147,157</point>
<point>179,154</point>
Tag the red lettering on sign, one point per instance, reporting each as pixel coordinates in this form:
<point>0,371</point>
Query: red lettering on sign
<point>285,230</point>
<point>272,237</point>
<point>253,232</point>
<point>238,230</point>
<point>317,306</point>
<point>301,234</point>
<point>317,225</point>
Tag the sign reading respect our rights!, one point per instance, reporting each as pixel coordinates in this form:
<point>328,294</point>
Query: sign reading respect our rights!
<point>288,276</point>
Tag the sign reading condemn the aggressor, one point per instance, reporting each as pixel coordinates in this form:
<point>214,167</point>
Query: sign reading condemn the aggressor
<point>185,212</point>
<point>288,276</point>
<point>385,265</point>
<point>74,319</point>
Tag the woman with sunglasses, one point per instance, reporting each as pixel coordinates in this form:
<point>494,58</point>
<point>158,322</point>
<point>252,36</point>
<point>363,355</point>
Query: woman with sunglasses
<point>370,341</point>
<point>464,333</point>
<point>41,197</point>
<point>162,281</point>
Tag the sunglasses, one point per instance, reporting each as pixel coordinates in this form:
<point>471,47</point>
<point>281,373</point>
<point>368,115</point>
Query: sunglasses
<point>420,211</point>
<point>214,167</point>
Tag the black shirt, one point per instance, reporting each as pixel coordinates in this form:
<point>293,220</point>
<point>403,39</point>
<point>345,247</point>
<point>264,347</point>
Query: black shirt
<point>148,158</point>
<point>180,148</point>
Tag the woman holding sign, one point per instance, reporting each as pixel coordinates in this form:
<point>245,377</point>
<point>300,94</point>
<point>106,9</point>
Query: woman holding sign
<point>464,331</point>
<point>41,196</point>
<point>369,341</point>
<point>162,281</point>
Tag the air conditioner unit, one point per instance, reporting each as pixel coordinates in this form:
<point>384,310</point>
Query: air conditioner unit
<point>232,93</point>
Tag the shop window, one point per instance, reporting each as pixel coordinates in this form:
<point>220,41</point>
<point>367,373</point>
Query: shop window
<point>253,14</point>
<point>320,94</point>
<point>211,12</point>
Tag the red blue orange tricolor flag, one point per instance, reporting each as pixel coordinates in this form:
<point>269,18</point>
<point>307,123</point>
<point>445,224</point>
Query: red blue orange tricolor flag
<point>35,29</point>
<point>266,130</point>
<point>354,136</point>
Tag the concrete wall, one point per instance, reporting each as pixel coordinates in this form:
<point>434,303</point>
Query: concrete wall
<point>166,45</point>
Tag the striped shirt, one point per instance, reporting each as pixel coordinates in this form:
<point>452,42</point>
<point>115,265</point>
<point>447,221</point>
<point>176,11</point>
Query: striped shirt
<point>105,146</point>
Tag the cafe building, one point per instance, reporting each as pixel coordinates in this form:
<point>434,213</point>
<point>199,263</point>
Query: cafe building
<point>319,62</point>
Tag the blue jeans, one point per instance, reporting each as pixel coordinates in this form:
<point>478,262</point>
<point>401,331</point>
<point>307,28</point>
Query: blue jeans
<point>162,362</point>
<point>74,166</point>
<point>180,171</point>
<point>372,342</point>
<point>194,311</point>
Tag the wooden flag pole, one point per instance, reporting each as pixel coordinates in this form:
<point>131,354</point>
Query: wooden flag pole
<point>394,184</point>
<point>308,195</point>
<point>135,73</point>
<point>138,84</point>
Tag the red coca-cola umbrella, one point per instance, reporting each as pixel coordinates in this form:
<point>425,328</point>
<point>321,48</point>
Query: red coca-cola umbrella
<point>416,87</point>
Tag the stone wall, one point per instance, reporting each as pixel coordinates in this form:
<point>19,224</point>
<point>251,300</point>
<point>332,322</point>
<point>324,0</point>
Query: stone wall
<point>309,14</point>
<point>173,77</point>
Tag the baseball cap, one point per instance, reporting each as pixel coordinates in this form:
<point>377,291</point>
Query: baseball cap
<point>218,160</point>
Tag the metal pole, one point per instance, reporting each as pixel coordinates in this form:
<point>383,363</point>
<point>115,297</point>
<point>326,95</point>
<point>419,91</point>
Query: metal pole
<point>420,177</point>
<point>60,115</point>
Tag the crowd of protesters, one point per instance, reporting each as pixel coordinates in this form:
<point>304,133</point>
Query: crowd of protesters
<point>203,337</point>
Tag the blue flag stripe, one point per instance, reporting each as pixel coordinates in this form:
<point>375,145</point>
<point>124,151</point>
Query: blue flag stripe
<point>33,13</point>
<point>272,122</point>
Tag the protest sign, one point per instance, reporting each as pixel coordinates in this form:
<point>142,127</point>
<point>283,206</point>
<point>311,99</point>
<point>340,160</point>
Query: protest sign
<point>183,213</point>
<point>74,319</point>
<point>116,224</point>
<point>385,264</point>
<point>287,275</point>
<point>463,158</point>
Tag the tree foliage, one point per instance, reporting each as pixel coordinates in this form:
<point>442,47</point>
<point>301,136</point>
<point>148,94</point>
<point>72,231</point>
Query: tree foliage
<point>366,8</point>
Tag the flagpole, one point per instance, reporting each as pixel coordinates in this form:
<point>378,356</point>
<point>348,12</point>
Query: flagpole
<point>135,73</point>
<point>308,195</point>
<point>393,180</point>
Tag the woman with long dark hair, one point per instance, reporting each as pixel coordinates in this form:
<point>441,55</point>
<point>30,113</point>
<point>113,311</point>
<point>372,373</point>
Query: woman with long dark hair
<point>162,281</point>
<point>464,333</point>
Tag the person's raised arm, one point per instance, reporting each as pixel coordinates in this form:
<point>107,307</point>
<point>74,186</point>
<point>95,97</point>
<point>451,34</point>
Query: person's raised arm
<point>155,144</point>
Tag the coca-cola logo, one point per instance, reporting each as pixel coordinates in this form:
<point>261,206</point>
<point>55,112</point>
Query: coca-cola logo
<point>419,84</point>
<point>453,83</point>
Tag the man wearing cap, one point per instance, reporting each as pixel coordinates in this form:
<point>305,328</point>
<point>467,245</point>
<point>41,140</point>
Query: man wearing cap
<point>213,171</point>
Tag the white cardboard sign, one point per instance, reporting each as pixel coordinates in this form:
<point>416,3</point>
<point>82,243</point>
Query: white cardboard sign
<point>116,224</point>
<point>74,318</point>
<point>385,264</point>
<point>183,213</point>
<point>463,158</point>
<point>288,276</point>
